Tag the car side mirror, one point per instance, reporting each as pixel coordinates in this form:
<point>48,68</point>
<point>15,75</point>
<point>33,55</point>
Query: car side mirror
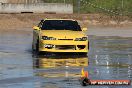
<point>84,29</point>
<point>36,28</point>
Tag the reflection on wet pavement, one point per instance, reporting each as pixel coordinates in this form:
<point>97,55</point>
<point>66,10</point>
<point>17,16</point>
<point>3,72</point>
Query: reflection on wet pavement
<point>60,67</point>
<point>109,58</point>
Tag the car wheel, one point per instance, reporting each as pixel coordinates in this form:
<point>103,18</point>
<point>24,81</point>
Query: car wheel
<point>33,48</point>
<point>37,46</point>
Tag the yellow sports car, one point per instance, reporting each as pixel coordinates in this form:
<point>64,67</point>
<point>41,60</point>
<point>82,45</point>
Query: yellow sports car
<point>59,35</point>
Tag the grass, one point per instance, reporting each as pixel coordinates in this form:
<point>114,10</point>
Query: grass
<point>111,7</point>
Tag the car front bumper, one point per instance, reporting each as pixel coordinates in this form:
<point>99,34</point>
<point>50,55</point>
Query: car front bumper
<point>63,46</point>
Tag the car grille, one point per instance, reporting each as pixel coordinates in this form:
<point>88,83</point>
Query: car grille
<point>65,47</point>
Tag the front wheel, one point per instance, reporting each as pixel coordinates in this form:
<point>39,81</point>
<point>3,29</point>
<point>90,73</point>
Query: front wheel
<point>37,46</point>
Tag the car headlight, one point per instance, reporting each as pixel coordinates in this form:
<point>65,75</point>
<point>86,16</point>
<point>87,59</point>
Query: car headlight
<point>48,38</point>
<point>81,39</point>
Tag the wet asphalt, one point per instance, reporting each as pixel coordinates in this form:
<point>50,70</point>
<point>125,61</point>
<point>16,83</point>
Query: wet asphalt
<point>109,57</point>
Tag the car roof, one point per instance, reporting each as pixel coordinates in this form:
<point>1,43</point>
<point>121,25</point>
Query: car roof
<point>59,19</point>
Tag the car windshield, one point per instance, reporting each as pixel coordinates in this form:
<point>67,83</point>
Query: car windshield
<point>61,25</point>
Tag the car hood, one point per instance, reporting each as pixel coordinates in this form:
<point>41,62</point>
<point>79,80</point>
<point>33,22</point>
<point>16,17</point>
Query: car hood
<point>63,34</point>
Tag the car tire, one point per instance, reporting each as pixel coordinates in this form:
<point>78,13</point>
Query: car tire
<point>37,46</point>
<point>33,48</point>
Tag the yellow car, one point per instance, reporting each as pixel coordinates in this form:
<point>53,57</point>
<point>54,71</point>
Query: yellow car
<point>59,35</point>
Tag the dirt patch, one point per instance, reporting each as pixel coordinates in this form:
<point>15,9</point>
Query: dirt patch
<point>15,21</point>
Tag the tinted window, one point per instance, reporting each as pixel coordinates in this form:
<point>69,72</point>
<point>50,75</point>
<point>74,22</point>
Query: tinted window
<point>61,25</point>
